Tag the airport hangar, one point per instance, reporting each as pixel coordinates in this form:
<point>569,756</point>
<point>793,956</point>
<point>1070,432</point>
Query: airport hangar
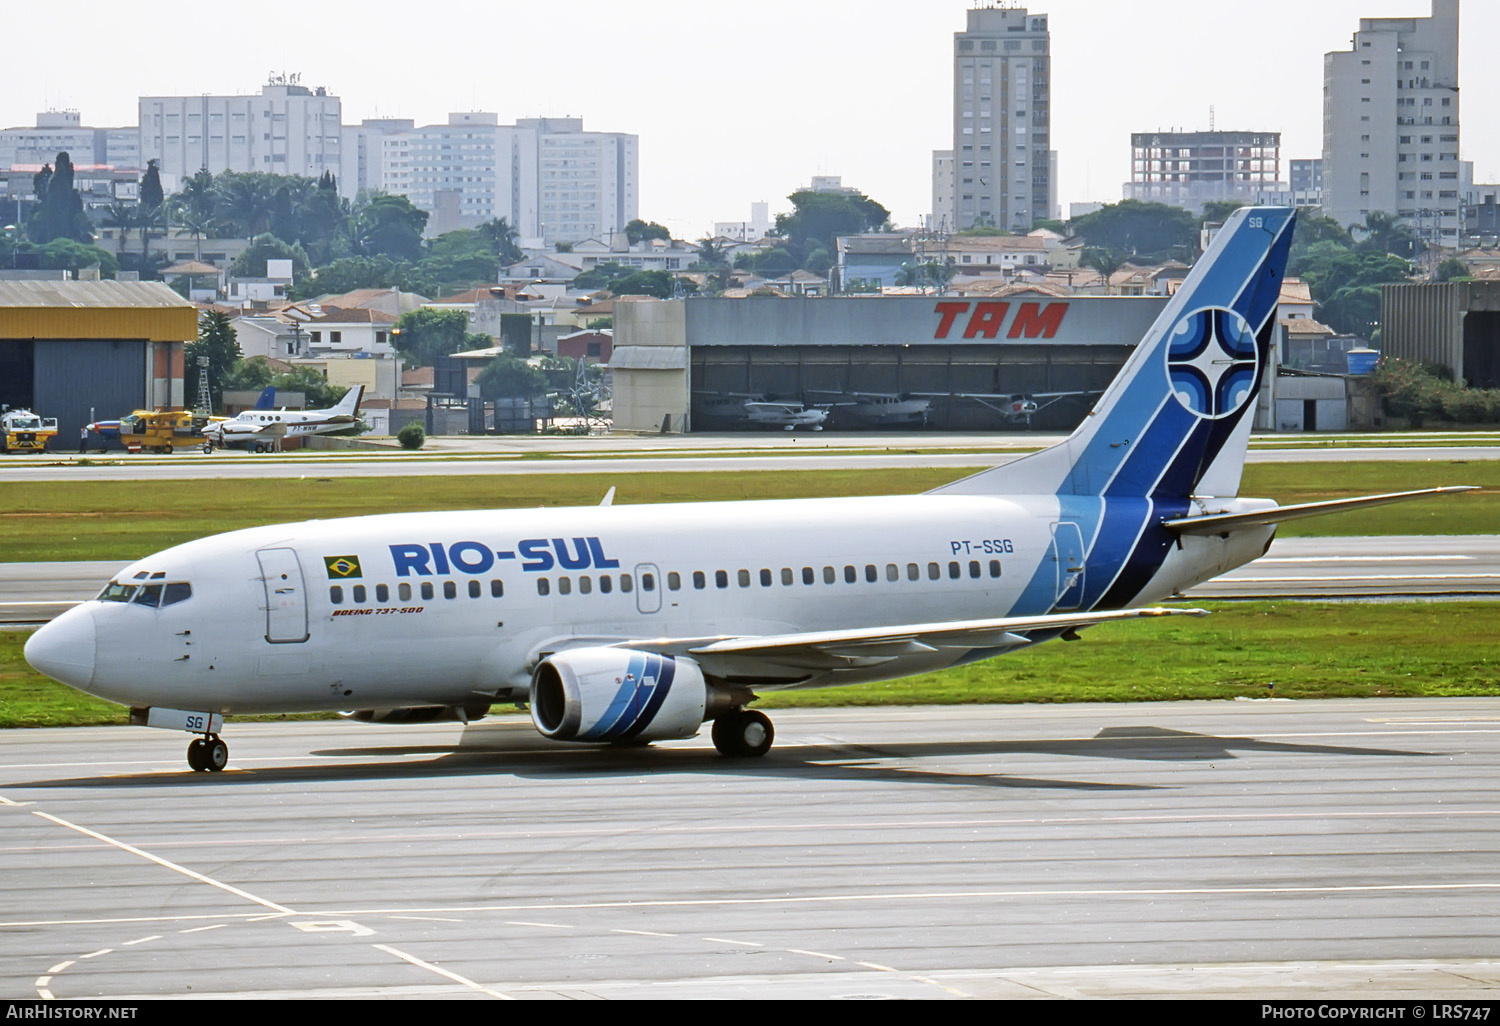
<point>92,350</point>
<point>670,354</point>
<point>1454,325</point>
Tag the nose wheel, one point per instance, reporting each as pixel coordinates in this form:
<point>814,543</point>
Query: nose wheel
<point>743,734</point>
<point>208,754</point>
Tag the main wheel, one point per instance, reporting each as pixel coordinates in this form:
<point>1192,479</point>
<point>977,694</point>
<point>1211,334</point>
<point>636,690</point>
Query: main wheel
<point>167,449</point>
<point>744,734</point>
<point>208,448</point>
<point>216,755</point>
<point>197,755</point>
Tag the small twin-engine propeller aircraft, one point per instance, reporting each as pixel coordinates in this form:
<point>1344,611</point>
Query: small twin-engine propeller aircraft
<point>632,624</point>
<point>259,429</point>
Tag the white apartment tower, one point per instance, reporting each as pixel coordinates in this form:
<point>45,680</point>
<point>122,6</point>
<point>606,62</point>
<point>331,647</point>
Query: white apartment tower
<point>1002,118</point>
<point>547,177</point>
<point>287,129</point>
<point>1391,124</point>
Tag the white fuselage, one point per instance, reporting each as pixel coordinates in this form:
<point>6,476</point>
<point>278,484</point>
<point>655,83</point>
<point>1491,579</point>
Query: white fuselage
<point>454,609</point>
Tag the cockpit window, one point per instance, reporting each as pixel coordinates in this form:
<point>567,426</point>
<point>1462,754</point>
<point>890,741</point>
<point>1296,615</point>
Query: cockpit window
<point>149,595</point>
<point>152,595</point>
<point>117,593</point>
<point>175,593</point>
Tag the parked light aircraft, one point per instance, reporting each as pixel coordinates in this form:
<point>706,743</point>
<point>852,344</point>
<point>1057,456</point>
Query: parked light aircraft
<point>1016,407</point>
<point>632,624</point>
<point>258,430</point>
<point>761,412</point>
<point>881,409</point>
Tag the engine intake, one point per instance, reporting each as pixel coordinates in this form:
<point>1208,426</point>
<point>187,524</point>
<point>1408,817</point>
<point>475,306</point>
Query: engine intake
<point>612,694</point>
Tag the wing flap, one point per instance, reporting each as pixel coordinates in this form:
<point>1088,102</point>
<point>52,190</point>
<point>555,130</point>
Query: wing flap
<point>789,656</point>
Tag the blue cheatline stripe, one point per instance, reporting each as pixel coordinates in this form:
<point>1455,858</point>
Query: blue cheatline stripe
<point>666,674</point>
<point>1147,557</point>
<point>623,703</point>
<point>1124,522</point>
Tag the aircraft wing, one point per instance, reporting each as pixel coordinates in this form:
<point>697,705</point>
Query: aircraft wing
<point>1226,523</point>
<point>821,651</point>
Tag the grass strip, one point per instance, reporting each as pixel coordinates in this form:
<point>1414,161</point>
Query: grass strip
<point>127,520</point>
<point>1250,650</point>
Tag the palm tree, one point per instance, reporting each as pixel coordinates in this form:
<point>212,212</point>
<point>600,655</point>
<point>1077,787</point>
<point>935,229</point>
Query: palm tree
<point>1105,261</point>
<point>121,216</point>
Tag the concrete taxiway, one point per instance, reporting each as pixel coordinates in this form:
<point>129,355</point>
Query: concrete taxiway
<point>1260,849</point>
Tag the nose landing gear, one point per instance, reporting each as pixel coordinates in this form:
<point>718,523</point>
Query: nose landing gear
<point>208,754</point>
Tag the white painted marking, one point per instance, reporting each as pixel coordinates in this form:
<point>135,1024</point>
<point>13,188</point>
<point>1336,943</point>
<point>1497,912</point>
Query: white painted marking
<point>203,929</point>
<point>544,926</point>
<point>644,933</point>
<point>414,960</point>
<point>1266,560</point>
<point>428,919</point>
<point>877,967</point>
<point>817,954</point>
<point>164,863</point>
<point>59,967</point>
<point>96,954</point>
<point>141,940</point>
<point>1346,578</point>
<point>333,926</point>
<point>739,943</point>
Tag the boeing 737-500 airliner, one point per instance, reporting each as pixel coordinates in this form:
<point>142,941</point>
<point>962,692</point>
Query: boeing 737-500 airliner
<point>631,624</point>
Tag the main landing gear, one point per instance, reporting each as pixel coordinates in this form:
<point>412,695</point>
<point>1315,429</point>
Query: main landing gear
<point>743,734</point>
<point>208,754</point>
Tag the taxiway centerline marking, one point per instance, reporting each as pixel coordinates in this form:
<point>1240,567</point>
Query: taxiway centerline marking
<point>420,964</point>
<point>174,867</point>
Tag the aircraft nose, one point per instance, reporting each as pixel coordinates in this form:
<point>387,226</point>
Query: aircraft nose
<point>64,648</point>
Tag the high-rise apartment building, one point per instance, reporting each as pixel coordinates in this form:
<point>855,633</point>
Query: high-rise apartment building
<point>1391,124</point>
<point>1002,119</point>
<point>1189,169</point>
<point>288,129</point>
<point>547,177</point>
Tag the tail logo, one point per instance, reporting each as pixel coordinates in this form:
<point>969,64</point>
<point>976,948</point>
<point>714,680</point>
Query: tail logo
<point>1213,363</point>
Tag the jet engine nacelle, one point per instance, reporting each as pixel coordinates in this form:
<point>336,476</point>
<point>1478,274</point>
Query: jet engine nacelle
<point>614,694</point>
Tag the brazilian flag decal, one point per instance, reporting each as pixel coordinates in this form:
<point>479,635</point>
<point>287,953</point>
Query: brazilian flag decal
<point>342,567</point>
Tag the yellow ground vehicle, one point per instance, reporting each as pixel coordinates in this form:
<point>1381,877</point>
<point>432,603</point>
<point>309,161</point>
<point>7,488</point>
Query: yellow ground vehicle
<point>24,431</point>
<point>165,429</point>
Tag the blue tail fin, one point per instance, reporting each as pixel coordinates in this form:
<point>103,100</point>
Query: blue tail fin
<point>1177,418</point>
<point>267,400</point>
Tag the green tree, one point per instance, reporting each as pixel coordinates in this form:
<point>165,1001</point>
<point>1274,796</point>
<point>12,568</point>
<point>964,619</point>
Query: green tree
<point>252,262</point>
<point>639,231</point>
<point>1218,211</point>
<point>72,255</point>
<point>461,259</point>
<point>425,335</point>
<point>1143,232</point>
<point>506,377</point>
<point>818,218</point>
<point>502,239</point>
<point>350,273</point>
<point>389,226</point>
<point>1104,260</point>
<point>59,213</point>
<point>1385,233</point>
<point>218,342</point>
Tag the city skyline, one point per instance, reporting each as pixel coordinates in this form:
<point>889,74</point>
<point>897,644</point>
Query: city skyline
<point>734,107</point>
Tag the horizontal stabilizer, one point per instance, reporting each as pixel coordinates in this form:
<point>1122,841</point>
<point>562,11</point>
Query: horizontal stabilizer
<point>1226,523</point>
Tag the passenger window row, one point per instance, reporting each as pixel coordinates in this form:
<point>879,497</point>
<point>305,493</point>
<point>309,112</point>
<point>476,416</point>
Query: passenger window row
<point>808,576</point>
<point>359,594</point>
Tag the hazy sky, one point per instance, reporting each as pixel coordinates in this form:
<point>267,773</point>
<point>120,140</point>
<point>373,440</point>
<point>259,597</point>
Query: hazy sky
<point>737,103</point>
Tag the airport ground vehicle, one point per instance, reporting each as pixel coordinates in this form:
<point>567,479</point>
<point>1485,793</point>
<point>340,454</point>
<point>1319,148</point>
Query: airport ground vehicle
<point>165,429</point>
<point>24,431</point>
